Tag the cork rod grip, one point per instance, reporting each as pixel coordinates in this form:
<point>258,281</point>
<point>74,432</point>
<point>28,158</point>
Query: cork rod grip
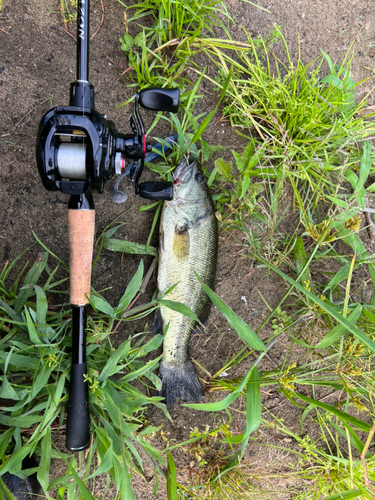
<point>81,227</point>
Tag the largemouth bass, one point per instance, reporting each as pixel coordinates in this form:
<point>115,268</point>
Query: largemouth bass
<point>188,243</point>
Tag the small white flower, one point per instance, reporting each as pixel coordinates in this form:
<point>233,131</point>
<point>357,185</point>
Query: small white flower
<point>244,299</point>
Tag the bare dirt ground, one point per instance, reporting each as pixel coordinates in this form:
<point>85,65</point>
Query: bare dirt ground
<point>37,65</point>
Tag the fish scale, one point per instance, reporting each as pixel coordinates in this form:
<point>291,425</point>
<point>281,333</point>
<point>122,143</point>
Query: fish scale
<point>188,243</point>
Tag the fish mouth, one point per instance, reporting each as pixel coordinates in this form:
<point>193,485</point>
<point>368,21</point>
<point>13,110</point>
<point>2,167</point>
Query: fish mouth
<point>182,173</point>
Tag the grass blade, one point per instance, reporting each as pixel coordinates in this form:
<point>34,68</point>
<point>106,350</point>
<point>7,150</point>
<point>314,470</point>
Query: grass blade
<point>130,291</point>
<point>171,478</point>
<point>178,307</point>
<point>345,417</point>
<point>365,339</point>
<point>128,247</point>
<point>339,330</point>
<point>238,324</point>
<point>253,407</point>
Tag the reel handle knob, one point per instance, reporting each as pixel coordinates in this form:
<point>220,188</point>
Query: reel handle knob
<point>157,99</point>
<point>156,190</point>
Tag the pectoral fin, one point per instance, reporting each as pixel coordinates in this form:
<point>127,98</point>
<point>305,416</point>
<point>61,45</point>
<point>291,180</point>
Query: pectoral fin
<point>181,242</point>
<point>157,324</point>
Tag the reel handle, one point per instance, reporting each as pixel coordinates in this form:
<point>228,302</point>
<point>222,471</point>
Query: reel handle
<point>157,99</point>
<point>162,190</point>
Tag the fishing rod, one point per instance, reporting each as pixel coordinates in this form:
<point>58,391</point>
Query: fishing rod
<point>77,151</point>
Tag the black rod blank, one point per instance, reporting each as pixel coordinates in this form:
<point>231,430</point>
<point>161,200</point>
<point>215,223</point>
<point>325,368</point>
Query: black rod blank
<point>83,33</point>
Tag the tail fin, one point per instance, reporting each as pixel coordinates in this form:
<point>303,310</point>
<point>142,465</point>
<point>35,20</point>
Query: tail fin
<point>179,383</point>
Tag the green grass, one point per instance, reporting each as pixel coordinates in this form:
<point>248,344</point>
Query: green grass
<point>35,364</point>
<point>177,18</point>
<point>307,127</point>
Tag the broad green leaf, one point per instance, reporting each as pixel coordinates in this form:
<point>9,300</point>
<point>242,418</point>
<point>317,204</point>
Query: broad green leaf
<point>342,274</point>
<point>156,485</point>
<point>344,417</point>
<point>253,407</point>
<point>130,291</point>
<point>41,380</point>
<point>253,162</point>
<point>117,418</point>
<point>354,242</point>
<point>19,361</point>
<point>12,314</point>
<point>171,478</point>
<point>345,495</point>
<point>59,390</point>
<point>31,279</point>
<point>33,334</point>
<point>111,365</point>
<point>339,330</point>
<point>238,324</point>
<point>239,161</point>
<point>300,258</point>
<point>105,464</point>
<point>16,459</point>
<point>245,185</point>
<point>60,493</point>
<point>140,39</point>
<point>151,345</point>
<point>126,42</point>
<point>49,416</point>
<point>351,177</point>
<point>223,167</point>
<point>334,80</point>
<point>45,460</point>
<point>221,405</point>
<point>337,201</point>
<point>128,247</point>
<point>207,150</point>
<point>330,63</point>
<point>22,421</point>
<point>82,488</point>
<point>156,455</point>
<point>41,305</point>
<point>112,230</point>
<point>354,439</point>
<point>101,305</point>
<point>178,307</point>
<point>62,481</point>
<point>118,399</point>
<point>154,379</point>
<point>138,373</point>
<point>150,429</point>
<point>149,206</point>
<point>134,452</point>
<point>7,391</point>
<point>5,437</point>
<point>366,163</point>
<point>126,487</point>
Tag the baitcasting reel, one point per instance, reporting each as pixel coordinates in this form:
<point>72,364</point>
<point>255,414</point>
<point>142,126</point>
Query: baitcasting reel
<point>78,148</point>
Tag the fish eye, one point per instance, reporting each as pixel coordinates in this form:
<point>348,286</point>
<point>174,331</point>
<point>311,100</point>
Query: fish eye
<point>199,177</point>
